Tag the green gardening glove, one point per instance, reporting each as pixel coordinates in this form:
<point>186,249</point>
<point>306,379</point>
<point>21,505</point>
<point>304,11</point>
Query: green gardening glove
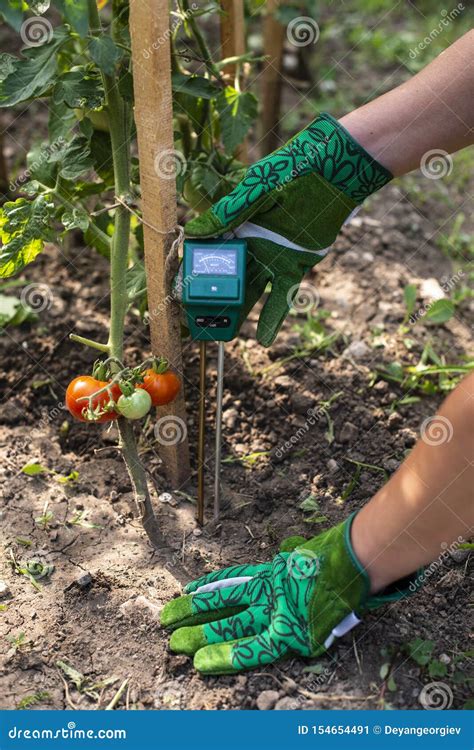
<point>290,207</point>
<point>246,616</point>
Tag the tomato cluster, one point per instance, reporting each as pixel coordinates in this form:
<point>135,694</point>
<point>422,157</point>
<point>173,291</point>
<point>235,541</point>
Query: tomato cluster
<point>131,399</point>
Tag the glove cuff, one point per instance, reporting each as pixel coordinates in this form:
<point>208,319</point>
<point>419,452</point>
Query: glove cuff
<point>340,159</point>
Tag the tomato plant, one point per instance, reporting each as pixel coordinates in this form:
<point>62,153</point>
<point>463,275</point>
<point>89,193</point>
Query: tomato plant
<point>84,177</point>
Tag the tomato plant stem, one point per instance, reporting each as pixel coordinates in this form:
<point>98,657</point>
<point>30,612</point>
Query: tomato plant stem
<point>119,128</point>
<point>89,342</point>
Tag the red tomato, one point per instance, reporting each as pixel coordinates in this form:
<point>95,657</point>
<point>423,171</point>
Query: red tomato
<point>163,387</point>
<point>85,385</point>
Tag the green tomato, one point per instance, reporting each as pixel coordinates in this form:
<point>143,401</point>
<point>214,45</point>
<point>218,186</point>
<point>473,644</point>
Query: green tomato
<point>134,406</point>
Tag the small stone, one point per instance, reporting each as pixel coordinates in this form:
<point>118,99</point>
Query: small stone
<point>167,497</point>
<point>459,555</point>
<point>332,466</point>
<point>381,386</point>
<point>197,532</point>
<point>356,350</point>
<point>84,580</point>
<point>287,704</point>
<point>230,417</point>
<point>301,403</point>
<point>284,382</point>
<point>391,464</point>
<point>430,289</point>
<point>140,602</point>
<point>267,699</point>
<point>394,421</point>
<point>4,590</point>
<point>348,433</point>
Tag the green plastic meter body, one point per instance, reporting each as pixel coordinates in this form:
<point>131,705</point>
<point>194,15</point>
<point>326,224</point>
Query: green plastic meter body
<point>213,287</point>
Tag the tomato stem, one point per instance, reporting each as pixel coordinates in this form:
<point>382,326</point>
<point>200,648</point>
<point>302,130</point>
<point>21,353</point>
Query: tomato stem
<point>89,342</point>
<point>119,115</point>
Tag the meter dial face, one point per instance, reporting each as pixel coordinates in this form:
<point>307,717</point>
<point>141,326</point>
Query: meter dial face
<point>217,263</point>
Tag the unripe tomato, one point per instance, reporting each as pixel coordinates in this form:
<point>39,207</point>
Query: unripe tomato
<point>163,387</point>
<point>134,406</point>
<point>86,385</point>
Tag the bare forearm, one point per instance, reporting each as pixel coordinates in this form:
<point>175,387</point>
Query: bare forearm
<point>433,110</point>
<point>428,504</point>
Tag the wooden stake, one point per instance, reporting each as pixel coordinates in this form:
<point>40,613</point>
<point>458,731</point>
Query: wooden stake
<point>232,32</point>
<point>150,34</point>
<point>273,41</point>
<point>232,28</point>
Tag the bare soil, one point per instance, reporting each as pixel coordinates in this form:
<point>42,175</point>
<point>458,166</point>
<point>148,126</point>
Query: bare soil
<point>98,610</point>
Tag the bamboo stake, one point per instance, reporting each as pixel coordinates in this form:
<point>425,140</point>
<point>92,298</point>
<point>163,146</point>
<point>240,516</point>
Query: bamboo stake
<point>150,35</point>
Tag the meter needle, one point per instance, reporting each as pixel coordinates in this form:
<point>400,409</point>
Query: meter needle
<point>219,394</point>
<point>202,430</point>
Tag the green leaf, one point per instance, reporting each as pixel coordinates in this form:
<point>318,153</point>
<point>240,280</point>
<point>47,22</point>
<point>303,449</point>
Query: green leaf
<point>391,684</point>
<point>61,119</point>
<point>437,669</point>
<point>7,65</point>
<point>237,112</point>
<point>80,89</point>
<point>420,651</point>
<point>24,227</point>
<point>34,469</point>
<point>33,700</point>
<point>409,295</point>
<point>105,53</point>
<point>13,312</point>
<point>72,674</point>
<point>384,670</point>
<point>34,73</point>
<point>12,12</point>
<point>76,158</point>
<point>76,13</point>
<point>39,6</point>
<point>309,504</point>
<point>440,311</point>
<point>194,85</point>
<point>75,218</point>
<point>42,163</point>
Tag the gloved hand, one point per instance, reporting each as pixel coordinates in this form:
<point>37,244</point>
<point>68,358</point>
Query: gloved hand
<point>290,206</point>
<point>246,616</point>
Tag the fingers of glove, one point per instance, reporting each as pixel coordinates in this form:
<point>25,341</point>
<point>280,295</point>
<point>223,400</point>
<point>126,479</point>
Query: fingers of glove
<point>180,612</point>
<point>276,308</point>
<point>193,609</point>
<point>188,640</point>
<point>258,276</point>
<point>245,653</point>
<point>227,574</point>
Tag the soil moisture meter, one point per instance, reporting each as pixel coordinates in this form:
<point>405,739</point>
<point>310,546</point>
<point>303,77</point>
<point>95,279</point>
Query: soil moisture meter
<point>213,287</point>
<point>213,292</point>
